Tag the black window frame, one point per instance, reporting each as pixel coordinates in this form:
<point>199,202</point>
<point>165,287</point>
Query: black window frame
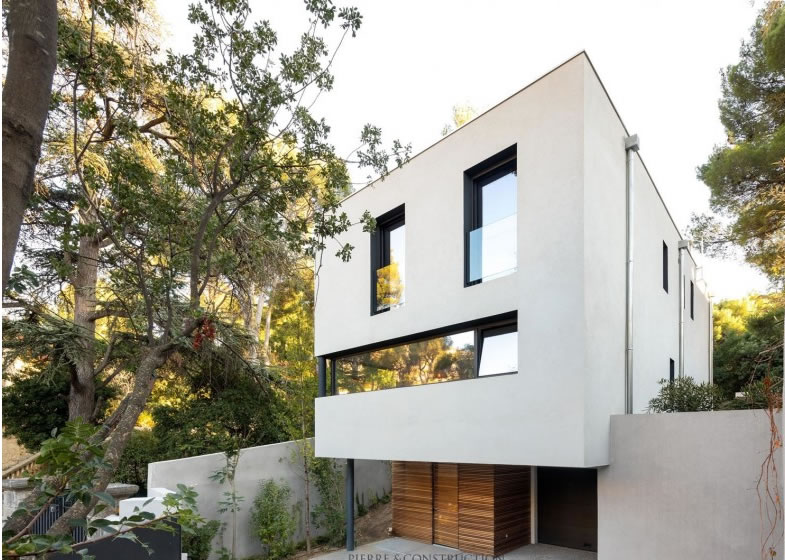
<point>672,370</point>
<point>494,323</point>
<point>480,335</point>
<point>380,247</point>
<point>474,179</point>
<point>692,300</point>
<point>665,266</point>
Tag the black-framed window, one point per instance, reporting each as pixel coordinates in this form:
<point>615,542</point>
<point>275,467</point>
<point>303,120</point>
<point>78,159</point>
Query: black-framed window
<point>490,217</point>
<point>497,350</point>
<point>671,370</point>
<point>388,261</point>
<point>466,353</point>
<point>692,300</point>
<point>665,267</point>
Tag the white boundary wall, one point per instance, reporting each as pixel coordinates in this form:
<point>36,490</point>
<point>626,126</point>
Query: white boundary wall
<point>683,486</point>
<point>372,478</point>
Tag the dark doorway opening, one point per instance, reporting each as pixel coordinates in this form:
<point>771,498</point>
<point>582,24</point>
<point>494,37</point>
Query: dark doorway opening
<point>567,507</point>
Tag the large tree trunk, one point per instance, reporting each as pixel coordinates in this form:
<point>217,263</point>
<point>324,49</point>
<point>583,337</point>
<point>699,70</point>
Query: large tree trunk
<point>81,399</point>
<point>152,358</point>
<point>32,58</point>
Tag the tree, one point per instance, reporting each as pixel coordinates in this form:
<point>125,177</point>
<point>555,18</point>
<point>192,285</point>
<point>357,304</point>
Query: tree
<point>165,177</point>
<point>32,57</point>
<point>747,341</point>
<point>461,114</point>
<point>746,176</point>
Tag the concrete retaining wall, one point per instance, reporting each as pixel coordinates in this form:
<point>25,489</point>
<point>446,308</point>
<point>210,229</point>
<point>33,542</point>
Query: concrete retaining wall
<point>683,486</point>
<point>372,478</point>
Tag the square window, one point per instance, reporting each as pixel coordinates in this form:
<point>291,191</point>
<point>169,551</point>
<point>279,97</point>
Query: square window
<point>388,261</point>
<point>490,212</point>
<point>498,351</point>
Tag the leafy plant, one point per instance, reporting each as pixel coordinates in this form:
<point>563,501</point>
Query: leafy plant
<point>141,450</point>
<point>684,395</point>
<point>329,513</point>
<point>273,521</point>
<point>197,541</point>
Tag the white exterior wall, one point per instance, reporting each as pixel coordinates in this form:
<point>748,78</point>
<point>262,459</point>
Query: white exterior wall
<point>257,464</point>
<point>568,291</point>
<point>683,486</point>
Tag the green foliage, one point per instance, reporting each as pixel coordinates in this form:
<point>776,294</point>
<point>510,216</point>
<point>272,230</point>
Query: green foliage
<point>273,520</point>
<point>747,341</point>
<point>684,395</point>
<point>35,397</point>
<point>227,410</point>
<point>747,174</point>
<point>197,541</point>
<point>756,394</point>
<point>142,448</point>
<point>329,513</point>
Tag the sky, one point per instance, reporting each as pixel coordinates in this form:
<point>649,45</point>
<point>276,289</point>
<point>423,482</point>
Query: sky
<point>412,61</point>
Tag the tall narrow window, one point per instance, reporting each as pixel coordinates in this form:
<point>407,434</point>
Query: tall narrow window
<point>672,374</point>
<point>388,261</point>
<point>491,202</point>
<point>692,300</point>
<point>664,267</point>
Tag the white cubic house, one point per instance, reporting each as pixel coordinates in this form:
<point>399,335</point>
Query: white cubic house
<point>524,282</point>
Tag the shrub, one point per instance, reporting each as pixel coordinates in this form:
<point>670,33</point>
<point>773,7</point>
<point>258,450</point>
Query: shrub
<point>329,513</point>
<point>142,449</point>
<point>197,541</point>
<point>684,395</point>
<point>273,520</point>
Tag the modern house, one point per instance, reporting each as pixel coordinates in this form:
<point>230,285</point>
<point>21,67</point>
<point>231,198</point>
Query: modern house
<point>524,283</point>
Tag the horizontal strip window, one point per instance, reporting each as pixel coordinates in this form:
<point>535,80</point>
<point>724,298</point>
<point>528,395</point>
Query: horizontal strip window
<point>487,349</point>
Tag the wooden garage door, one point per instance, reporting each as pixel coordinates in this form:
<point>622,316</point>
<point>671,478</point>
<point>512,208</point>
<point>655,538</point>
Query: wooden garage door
<point>445,504</point>
<point>412,500</point>
<point>567,505</point>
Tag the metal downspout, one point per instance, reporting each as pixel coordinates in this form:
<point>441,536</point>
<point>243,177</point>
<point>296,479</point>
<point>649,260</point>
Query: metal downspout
<point>682,303</point>
<point>711,340</point>
<point>631,145</point>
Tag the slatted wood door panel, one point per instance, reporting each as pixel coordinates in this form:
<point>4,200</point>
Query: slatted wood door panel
<point>512,507</point>
<point>445,504</point>
<point>475,508</point>
<point>412,500</point>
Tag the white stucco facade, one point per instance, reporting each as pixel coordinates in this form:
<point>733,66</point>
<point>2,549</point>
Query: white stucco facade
<point>568,291</point>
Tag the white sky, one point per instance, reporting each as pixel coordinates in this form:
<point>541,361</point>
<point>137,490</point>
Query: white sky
<point>412,61</point>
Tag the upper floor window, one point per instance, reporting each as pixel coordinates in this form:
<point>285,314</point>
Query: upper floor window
<point>692,300</point>
<point>491,202</point>
<point>388,261</point>
<point>664,267</point>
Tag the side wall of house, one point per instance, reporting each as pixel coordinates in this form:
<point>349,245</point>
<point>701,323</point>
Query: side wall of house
<point>683,486</point>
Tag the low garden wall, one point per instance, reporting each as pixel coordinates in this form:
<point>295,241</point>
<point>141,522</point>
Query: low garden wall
<point>279,462</point>
<point>683,486</point>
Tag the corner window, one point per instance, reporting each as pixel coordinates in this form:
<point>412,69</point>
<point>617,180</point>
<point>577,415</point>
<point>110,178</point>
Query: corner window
<point>692,300</point>
<point>388,261</point>
<point>490,216</point>
<point>664,267</point>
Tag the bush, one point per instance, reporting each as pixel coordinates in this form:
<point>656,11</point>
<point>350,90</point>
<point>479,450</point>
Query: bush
<point>273,520</point>
<point>684,395</point>
<point>329,513</point>
<point>142,449</point>
<point>197,541</point>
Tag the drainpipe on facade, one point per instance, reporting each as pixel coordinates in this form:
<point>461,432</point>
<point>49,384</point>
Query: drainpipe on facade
<point>683,244</point>
<point>631,145</point>
<point>711,340</point>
